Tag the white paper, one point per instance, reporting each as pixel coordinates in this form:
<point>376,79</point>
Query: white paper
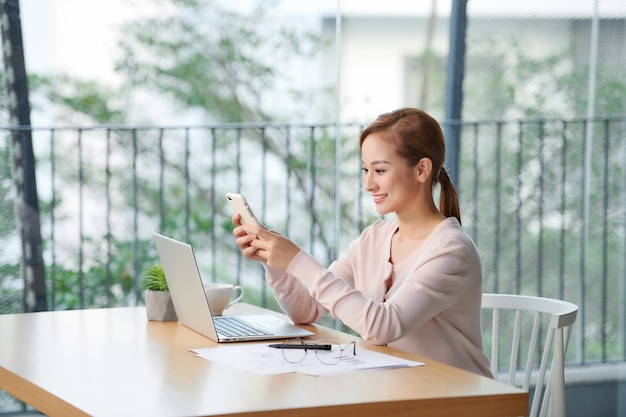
<point>261,359</point>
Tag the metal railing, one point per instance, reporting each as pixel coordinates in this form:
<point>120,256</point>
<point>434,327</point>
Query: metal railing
<point>544,201</point>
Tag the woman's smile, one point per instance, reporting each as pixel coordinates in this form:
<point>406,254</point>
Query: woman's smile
<point>378,198</point>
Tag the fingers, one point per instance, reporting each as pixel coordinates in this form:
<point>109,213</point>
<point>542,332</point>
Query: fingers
<point>245,242</point>
<point>239,229</point>
<point>253,253</point>
<point>245,236</point>
<point>257,242</point>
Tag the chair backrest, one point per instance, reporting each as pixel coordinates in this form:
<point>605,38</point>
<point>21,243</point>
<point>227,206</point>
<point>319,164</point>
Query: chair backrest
<point>529,360</point>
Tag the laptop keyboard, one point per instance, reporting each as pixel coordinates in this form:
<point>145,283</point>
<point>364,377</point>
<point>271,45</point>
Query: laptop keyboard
<point>233,326</point>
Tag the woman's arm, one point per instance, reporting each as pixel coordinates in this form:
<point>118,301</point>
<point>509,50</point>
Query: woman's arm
<point>293,297</point>
<point>275,252</point>
<point>436,283</point>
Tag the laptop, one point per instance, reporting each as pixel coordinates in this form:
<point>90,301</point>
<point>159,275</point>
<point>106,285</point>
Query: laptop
<point>193,310</point>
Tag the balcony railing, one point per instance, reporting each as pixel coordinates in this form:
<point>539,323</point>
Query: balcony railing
<point>543,199</point>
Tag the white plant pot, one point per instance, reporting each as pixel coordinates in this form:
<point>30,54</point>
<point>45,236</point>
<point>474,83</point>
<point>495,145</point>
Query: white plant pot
<point>159,306</point>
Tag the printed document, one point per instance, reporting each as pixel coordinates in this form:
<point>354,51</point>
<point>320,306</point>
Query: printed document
<point>261,359</point>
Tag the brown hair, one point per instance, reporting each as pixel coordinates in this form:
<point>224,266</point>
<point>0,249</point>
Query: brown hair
<point>417,135</point>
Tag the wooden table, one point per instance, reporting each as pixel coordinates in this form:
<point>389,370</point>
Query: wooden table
<point>113,362</point>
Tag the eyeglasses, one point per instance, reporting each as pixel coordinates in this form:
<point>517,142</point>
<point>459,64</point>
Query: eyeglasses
<point>295,351</point>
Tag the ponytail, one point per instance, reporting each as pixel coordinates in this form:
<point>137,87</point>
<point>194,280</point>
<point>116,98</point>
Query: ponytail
<point>448,200</point>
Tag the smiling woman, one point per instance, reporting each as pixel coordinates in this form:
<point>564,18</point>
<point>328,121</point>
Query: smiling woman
<point>414,282</point>
<point>415,140</point>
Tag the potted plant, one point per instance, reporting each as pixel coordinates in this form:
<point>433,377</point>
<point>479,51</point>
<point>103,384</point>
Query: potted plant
<point>159,306</point>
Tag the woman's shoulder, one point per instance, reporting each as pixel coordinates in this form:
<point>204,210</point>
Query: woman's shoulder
<point>377,233</point>
<point>450,230</point>
<point>383,226</point>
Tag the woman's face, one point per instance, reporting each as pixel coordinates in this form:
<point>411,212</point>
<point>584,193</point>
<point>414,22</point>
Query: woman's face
<point>386,175</point>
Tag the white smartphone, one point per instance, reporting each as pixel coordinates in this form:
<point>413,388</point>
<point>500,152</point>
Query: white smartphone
<point>239,205</point>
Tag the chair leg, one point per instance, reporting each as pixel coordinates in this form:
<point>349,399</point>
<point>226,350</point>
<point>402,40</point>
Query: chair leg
<point>557,377</point>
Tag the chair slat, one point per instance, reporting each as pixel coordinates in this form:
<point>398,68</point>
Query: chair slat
<point>495,338</point>
<point>551,317</point>
<point>516,343</point>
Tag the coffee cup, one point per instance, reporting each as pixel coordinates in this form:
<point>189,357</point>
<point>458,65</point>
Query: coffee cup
<point>220,296</point>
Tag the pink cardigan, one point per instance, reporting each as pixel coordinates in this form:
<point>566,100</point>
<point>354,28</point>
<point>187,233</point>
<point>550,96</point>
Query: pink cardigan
<point>432,308</point>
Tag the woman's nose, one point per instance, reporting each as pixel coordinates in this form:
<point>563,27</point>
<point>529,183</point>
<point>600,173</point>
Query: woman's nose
<point>368,183</point>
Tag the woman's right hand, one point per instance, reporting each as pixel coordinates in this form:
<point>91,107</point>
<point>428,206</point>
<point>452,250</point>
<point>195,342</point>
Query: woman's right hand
<point>244,240</point>
<point>259,243</point>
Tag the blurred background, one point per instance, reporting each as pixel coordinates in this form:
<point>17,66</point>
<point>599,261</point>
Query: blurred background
<point>143,114</point>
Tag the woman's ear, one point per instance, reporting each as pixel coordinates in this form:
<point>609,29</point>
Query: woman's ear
<point>423,169</point>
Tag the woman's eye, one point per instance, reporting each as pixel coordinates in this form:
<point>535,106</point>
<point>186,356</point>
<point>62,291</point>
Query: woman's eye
<point>378,171</point>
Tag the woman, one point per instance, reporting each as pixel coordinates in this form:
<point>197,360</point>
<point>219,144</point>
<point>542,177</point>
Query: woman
<point>413,282</point>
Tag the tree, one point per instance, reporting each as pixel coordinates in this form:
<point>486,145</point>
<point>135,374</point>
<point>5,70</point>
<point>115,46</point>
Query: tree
<point>203,56</point>
<point>207,56</point>
<point>26,199</point>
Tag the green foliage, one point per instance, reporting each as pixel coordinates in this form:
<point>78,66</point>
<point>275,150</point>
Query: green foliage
<point>92,288</point>
<point>206,56</point>
<point>101,103</point>
<point>11,295</point>
<point>7,210</point>
<point>154,278</point>
<point>507,79</point>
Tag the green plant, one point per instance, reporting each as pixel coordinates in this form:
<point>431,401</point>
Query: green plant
<point>155,278</point>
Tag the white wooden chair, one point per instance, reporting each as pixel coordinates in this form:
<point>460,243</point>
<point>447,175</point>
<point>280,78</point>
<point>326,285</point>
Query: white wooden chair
<point>529,360</point>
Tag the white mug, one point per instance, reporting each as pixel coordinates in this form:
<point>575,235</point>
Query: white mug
<point>220,296</point>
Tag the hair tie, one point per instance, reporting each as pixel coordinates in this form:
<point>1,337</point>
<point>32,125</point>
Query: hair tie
<point>442,175</point>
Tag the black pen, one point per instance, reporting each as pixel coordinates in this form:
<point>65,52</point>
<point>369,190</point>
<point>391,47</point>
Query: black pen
<point>312,346</point>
